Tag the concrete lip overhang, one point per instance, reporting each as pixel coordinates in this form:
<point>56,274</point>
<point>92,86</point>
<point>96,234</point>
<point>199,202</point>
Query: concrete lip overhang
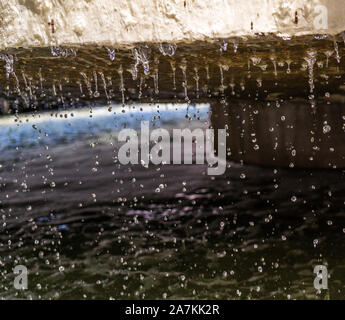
<point>263,68</point>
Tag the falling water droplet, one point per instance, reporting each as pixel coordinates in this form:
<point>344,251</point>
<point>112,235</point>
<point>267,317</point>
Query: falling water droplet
<point>96,93</point>
<point>122,85</point>
<point>328,54</point>
<point>155,76</point>
<point>223,46</point>
<point>167,49</point>
<point>255,60</point>
<point>87,83</point>
<point>311,59</point>
<point>183,68</point>
<point>111,53</point>
<point>235,43</point>
<point>173,68</point>
<point>336,49</point>
<point>141,55</point>
<point>196,78</point>
<point>326,128</point>
<point>273,59</point>
<point>104,85</point>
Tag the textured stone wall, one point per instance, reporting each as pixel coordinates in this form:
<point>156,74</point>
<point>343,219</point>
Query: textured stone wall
<point>27,23</point>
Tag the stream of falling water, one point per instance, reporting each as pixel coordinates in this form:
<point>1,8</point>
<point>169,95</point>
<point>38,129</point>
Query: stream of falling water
<point>89,227</point>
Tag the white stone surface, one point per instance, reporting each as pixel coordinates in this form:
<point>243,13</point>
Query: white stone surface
<point>25,23</point>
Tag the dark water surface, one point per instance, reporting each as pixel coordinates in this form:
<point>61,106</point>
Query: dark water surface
<point>87,227</point>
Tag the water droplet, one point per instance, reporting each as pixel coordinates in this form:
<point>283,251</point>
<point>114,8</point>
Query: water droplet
<point>326,128</point>
<point>167,49</point>
<point>111,53</point>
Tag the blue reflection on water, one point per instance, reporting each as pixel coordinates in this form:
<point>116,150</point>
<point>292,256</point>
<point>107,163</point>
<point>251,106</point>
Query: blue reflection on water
<point>51,128</point>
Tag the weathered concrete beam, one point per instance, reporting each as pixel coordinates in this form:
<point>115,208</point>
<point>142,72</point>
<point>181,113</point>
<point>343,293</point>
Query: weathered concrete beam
<point>40,23</point>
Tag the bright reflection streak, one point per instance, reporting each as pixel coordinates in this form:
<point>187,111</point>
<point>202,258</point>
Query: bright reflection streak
<point>65,126</point>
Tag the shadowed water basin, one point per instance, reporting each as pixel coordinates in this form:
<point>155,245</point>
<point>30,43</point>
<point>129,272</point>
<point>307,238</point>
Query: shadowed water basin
<point>87,227</point>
